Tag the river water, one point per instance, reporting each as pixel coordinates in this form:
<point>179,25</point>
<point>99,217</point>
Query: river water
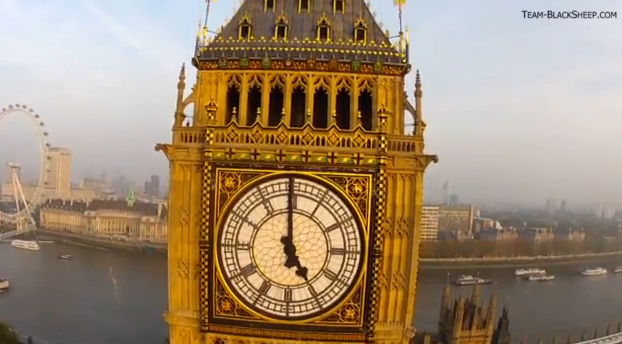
<point>106,297</point>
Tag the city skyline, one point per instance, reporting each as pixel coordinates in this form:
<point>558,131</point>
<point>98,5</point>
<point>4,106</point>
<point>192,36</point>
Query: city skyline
<point>534,100</point>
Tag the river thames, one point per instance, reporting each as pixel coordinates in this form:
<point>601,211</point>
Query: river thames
<point>113,297</point>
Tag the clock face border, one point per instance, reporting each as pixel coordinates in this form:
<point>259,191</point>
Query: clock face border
<point>359,273</point>
<point>325,329</point>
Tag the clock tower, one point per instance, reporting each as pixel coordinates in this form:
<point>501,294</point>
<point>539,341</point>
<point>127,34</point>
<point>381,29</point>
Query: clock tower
<point>295,189</point>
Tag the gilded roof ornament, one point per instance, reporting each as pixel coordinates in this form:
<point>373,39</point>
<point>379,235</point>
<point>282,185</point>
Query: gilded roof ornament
<point>360,23</point>
<point>323,20</point>
<point>282,19</point>
<point>245,19</point>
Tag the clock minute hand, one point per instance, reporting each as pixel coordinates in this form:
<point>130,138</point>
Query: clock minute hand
<point>290,210</point>
<point>288,240</point>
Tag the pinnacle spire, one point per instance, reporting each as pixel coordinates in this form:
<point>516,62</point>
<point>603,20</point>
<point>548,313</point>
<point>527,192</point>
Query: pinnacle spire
<point>182,73</point>
<point>475,295</point>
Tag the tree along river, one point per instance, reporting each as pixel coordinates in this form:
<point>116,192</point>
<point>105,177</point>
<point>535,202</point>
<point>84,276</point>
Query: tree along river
<point>104,297</point>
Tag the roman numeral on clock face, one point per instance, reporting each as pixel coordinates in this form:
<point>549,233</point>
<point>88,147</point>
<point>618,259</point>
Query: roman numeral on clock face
<point>332,227</point>
<point>265,286</point>
<point>338,251</point>
<point>330,274</point>
<point>248,270</point>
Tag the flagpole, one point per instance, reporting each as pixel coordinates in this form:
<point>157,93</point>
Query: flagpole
<point>207,2</point>
<point>399,4</point>
<point>207,8</point>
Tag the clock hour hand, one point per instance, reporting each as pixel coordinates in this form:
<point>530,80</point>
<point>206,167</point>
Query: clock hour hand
<point>292,259</point>
<point>301,270</point>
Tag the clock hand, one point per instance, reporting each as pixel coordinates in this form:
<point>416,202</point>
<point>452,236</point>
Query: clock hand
<point>288,241</point>
<point>301,270</point>
<point>290,210</point>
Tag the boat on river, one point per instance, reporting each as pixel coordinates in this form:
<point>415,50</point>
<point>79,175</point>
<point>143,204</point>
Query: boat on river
<point>4,284</point>
<point>65,257</point>
<point>529,271</point>
<point>541,278</point>
<point>30,245</point>
<point>598,271</point>
<point>465,280</point>
<point>617,269</point>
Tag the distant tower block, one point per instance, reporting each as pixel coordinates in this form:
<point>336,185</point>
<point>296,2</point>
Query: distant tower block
<point>551,205</point>
<point>447,192</point>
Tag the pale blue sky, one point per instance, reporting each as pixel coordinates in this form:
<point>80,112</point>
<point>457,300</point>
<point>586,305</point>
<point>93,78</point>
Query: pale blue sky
<point>516,109</point>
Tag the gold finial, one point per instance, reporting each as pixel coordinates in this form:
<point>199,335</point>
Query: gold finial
<point>334,115</point>
<point>258,116</point>
<point>359,118</point>
<point>308,115</point>
<point>282,115</point>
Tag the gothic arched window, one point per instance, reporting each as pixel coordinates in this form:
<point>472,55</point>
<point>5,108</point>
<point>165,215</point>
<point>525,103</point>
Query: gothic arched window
<point>245,29</point>
<point>339,6</point>
<point>323,29</point>
<point>360,31</point>
<point>281,28</point>
<point>304,6</point>
<point>269,5</point>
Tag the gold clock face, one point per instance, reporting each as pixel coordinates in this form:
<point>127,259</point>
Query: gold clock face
<point>290,248</point>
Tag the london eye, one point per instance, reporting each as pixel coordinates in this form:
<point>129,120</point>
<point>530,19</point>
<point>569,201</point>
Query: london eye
<point>18,217</point>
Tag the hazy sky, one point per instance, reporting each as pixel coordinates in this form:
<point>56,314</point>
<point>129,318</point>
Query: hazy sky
<point>517,109</point>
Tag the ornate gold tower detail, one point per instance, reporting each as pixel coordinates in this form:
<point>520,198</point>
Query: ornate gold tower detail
<point>295,192</point>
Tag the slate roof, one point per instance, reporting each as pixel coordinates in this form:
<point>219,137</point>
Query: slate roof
<point>65,205</point>
<point>301,38</point>
<point>143,208</point>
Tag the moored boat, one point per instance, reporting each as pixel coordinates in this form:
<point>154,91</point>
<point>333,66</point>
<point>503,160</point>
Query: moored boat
<point>4,284</point>
<point>529,271</point>
<point>65,257</point>
<point>464,280</point>
<point>598,271</point>
<point>541,278</point>
<point>30,245</point>
<point>617,269</point>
